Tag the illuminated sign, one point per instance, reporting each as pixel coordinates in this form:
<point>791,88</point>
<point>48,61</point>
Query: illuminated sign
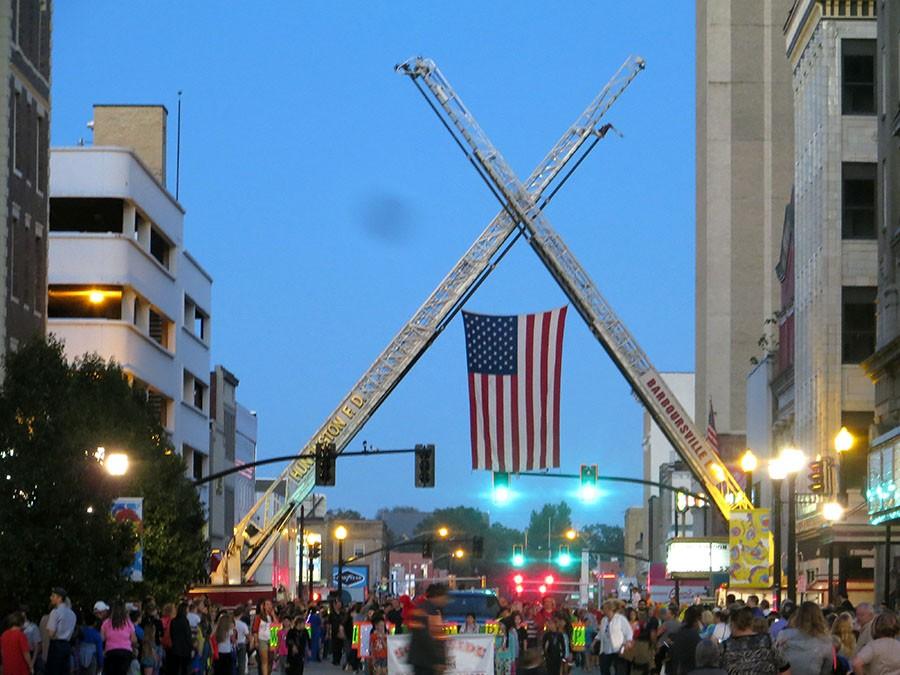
<point>697,557</point>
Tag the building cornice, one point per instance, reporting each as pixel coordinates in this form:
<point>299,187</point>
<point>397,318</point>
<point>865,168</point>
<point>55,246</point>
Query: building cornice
<point>876,366</point>
<point>806,14</point>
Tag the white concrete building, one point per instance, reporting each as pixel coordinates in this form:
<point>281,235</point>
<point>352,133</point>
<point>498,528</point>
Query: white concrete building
<point>120,281</point>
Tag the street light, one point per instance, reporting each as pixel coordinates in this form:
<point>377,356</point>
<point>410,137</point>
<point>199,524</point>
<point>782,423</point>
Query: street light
<point>789,461</point>
<point>844,440</point>
<point>571,534</point>
<point>340,533</point>
<point>832,511</point>
<point>777,472</point>
<point>116,463</point>
<point>459,554</point>
<point>443,532</point>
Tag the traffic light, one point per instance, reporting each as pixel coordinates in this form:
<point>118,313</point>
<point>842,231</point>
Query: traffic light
<point>817,476</point>
<point>565,558</point>
<point>549,579</point>
<point>425,465</point>
<point>426,549</point>
<point>315,550</point>
<point>588,490</point>
<point>501,487</point>
<point>518,579</point>
<point>477,548</point>
<point>325,453</point>
<point>518,555</point>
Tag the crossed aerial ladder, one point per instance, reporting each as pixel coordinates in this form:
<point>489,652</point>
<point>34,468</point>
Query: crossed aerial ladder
<point>521,215</point>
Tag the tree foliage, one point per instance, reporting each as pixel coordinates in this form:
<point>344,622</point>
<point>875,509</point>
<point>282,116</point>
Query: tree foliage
<point>552,520</point>
<point>55,497</point>
<point>343,514</point>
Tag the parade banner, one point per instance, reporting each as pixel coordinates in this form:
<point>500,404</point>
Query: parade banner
<point>131,510</point>
<point>750,543</point>
<point>468,654</point>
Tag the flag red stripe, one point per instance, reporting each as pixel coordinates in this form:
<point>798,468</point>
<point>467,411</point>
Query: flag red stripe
<point>501,452</point>
<point>514,404</point>
<point>486,417</point>
<point>545,354</point>
<point>473,421</point>
<point>529,390</point>
<point>560,327</point>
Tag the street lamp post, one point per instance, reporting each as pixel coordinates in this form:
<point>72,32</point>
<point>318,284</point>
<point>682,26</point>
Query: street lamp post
<point>832,512</point>
<point>777,473</point>
<point>748,466</point>
<point>340,533</point>
<point>792,460</point>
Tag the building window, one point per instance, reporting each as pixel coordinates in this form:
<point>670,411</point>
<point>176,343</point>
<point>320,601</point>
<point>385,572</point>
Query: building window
<point>199,394</point>
<point>858,77</point>
<point>85,215</point>
<point>159,247</point>
<point>159,408</point>
<point>359,550</point>
<point>159,327</point>
<point>201,319</point>
<point>43,154</point>
<point>857,323</point>
<point>198,464</point>
<point>858,199</point>
<point>84,302</point>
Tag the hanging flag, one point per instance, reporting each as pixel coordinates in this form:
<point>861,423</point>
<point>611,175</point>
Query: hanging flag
<point>711,434</point>
<point>514,367</point>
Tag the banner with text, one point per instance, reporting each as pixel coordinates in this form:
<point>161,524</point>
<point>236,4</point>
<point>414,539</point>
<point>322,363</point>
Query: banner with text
<point>131,510</point>
<point>466,655</point>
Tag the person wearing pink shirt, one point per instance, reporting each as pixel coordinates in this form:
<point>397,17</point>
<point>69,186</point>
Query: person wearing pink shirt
<point>119,641</point>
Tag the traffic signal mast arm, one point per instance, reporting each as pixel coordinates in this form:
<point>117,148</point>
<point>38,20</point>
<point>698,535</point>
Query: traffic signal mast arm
<point>606,326</point>
<point>253,540</point>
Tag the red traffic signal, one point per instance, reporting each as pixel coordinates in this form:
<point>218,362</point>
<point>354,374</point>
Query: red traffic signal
<point>518,579</point>
<point>549,579</point>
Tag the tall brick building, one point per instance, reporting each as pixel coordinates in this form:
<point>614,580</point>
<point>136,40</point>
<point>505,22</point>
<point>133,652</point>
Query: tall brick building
<point>24,160</point>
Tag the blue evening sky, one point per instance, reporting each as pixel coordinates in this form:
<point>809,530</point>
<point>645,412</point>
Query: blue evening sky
<point>326,201</point>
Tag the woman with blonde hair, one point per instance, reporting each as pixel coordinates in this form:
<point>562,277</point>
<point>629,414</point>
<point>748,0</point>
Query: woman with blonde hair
<point>224,654</point>
<point>806,644</point>
<point>843,637</point>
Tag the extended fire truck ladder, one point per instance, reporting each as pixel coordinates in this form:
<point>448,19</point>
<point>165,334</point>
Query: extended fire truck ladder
<point>575,282</point>
<point>257,532</point>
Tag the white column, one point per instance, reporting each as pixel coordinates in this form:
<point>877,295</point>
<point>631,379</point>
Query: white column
<point>583,579</point>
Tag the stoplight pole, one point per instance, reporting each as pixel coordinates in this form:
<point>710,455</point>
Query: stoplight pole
<point>616,479</point>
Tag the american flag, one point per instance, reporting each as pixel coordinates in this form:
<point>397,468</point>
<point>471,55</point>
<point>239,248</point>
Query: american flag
<point>514,365</point>
<point>711,434</point>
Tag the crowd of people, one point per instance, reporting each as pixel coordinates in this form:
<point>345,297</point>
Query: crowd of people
<point>197,637</point>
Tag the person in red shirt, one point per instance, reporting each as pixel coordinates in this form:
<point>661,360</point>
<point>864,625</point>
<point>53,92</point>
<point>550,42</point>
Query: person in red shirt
<point>14,652</point>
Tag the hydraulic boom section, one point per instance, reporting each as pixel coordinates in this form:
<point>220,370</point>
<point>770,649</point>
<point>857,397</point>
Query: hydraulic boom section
<point>256,533</point>
<point>574,280</point>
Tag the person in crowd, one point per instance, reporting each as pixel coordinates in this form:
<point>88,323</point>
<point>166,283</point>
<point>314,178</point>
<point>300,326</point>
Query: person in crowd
<point>721,625</point>
<point>807,644</point>
<point>224,637</point>
<point>148,653</point>
<point>427,655</point>
<point>708,624</point>
<point>15,653</point>
<point>881,655</point>
<point>746,652</point>
<point>378,647</point>
<point>60,631</point>
<point>119,641</point>
<point>33,634</point>
<point>337,617</point>
<point>784,616</point>
<point>90,647</point>
<point>684,645</point>
<point>315,628</point>
<point>706,658</point>
<point>554,646</point>
<point>470,626</point>
<point>614,633</point>
<point>843,638</point>
<point>548,609</point>
<point>181,653</point>
<point>753,603</point>
<point>864,617</point>
<point>262,623</point>
<point>241,635</point>
<point>165,641</point>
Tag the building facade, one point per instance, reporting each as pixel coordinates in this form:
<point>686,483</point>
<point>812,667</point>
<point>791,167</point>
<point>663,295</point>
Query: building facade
<point>25,30</point>
<point>120,280</point>
<point>832,53</point>
<point>364,546</point>
<point>232,443</point>
<point>635,520</point>
<point>744,171</point>
<point>883,366</point>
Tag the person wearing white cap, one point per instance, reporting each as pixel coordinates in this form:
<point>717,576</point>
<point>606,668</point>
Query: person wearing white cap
<point>101,610</point>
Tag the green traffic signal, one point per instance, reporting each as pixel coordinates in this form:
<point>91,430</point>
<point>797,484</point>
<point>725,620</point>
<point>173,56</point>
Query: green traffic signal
<point>565,558</point>
<point>518,555</point>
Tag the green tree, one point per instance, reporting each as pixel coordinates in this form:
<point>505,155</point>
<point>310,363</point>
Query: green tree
<point>344,514</point>
<point>551,521</point>
<point>608,540</point>
<point>55,523</point>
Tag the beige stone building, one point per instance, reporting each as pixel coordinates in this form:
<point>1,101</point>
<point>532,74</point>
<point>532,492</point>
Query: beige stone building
<point>634,541</point>
<point>831,48</point>
<point>744,175</point>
